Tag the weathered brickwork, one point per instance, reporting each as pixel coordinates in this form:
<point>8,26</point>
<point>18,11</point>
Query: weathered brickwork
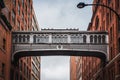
<point>91,68</point>
<point>21,16</point>
<point>104,20</point>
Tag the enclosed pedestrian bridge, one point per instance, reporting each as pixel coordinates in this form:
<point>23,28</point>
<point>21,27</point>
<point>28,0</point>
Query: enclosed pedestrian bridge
<point>69,42</point>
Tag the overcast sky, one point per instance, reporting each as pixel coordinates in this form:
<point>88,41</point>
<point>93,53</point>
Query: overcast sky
<point>60,14</point>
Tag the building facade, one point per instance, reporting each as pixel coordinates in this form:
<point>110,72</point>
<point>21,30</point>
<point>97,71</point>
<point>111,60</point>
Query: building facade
<point>79,68</point>
<point>5,42</point>
<point>104,19</point>
<point>72,68</point>
<point>21,16</point>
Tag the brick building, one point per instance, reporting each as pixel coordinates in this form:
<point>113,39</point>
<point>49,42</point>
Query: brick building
<point>104,20</point>
<point>79,68</point>
<point>72,68</point>
<point>21,15</point>
<point>5,43</point>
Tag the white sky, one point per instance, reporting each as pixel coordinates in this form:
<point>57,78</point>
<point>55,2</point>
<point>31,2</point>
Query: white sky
<point>60,14</point>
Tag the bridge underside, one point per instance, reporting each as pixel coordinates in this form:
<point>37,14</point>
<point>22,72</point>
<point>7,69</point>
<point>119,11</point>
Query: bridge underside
<point>97,54</point>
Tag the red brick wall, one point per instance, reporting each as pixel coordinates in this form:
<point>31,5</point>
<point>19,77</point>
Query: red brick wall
<point>112,69</point>
<point>5,48</point>
<point>72,68</point>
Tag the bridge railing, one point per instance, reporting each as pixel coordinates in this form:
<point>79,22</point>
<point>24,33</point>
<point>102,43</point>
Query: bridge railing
<point>76,43</point>
<point>79,37</point>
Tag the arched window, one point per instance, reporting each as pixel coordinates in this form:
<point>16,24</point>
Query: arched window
<point>34,38</point>
<point>16,38</point>
<point>99,39</point>
<point>84,39</point>
<point>95,39</point>
<point>28,38</point>
<point>103,39</point>
<point>20,38</point>
<point>91,39</point>
<point>46,38</point>
<point>65,38</point>
<point>38,40</point>
<point>24,38</point>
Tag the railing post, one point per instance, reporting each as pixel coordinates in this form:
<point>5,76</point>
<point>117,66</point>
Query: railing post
<point>50,38</point>
<point>69,39</point>
<point>88,39</point>
<point>107,40</point>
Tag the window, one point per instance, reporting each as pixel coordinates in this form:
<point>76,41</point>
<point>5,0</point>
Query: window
<point>111,54</point>
<point>103,27</point>
<point>4,43</point>
<point>103,39</point>
<point>31,9</point>
<point>97,23</point>
<point>99,39</point>
<point>95,39</point>
<point>3,69</point>
<point>111,33</point>
<point>107,20</point>
<point>18,8</point>
<point>110,16</point>
<point>13,17</point>
<point>109,1</point>
<point>28,37</point>
<point>14,2</point>
<point>16,38</point>
<point>23,3</point>
<point>22,16</point>
<point>84,39</point>
<point>25,24</point>
<point>91,39</point>
<point>20,37</point>
<point>24,38</point>
<point>26,9</point>
<point>18,25</point>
